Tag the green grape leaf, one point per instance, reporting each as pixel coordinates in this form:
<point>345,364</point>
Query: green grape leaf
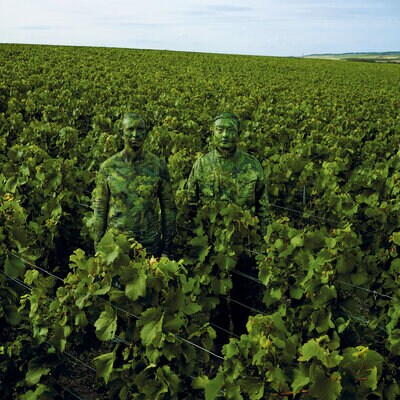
<point>14,266</point>
<point>104,365</point>
<point>151,322</point>
<point>106,324</point>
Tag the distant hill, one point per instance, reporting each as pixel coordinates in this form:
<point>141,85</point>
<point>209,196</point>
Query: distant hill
<point>385,57</point>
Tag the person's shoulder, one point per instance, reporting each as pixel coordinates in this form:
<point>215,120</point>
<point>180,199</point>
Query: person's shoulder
<point>111,161</point>
<point>154,164</point>
<point>151,158</point>
<point>201,163</point>
<point>205,158</point>
<point>250,159</point>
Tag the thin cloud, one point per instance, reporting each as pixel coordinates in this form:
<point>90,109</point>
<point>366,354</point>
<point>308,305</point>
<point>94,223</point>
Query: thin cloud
<point>220,14</point>
<point>146,25</point>
<point>338,13</point>
<point>40,27</point>
<point>219,9</point>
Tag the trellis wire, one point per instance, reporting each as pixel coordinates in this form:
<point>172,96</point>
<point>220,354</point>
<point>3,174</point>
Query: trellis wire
<point>305,214</point>
<point>374,292</point>
<point>27,287</point>
<point>230,299</point>
<point>126,312</point>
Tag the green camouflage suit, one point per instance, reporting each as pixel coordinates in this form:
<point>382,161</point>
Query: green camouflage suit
<point>127,189</point>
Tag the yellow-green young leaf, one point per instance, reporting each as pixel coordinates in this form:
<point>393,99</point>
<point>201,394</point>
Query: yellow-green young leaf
<point>104,365</point>
<point>80,260</point>
<point>108,249</point>
<point>341,324</point>
<point>191,308</point>
<point>372,379</point>
<point>296,293</point>
<point>200,382</point>
<point>151,322</point>
<point>173,323</point>
<point>37,394</point>
<point>31,276</point>
<point>14,267</point>
<point>106,325</point>
<point>273,295</point>
<point>34,374</point>
<point>297,241</point>
<point>80,319</point>
<point>135,282</point>
<point>312,349</point>
<point>396,238</point>
<point>232,391</point>
<point>300,380</point>
<point>213,387</point>
<point>104,288</point>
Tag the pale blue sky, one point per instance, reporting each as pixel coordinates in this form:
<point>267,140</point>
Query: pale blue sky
<point>269,27</point>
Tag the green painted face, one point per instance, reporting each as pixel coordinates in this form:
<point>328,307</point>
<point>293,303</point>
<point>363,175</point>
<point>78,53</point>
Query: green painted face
<point>135,133</point>
<point>226,133</point>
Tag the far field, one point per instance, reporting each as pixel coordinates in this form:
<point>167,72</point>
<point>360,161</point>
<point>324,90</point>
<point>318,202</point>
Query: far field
<point>386,57</point>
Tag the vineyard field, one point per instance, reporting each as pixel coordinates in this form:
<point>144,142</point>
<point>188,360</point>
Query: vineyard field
<point>326,325</point>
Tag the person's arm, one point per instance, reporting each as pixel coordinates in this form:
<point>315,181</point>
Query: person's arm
<point>191,186</point>
<point>101,197</point>
<point>168,211</point>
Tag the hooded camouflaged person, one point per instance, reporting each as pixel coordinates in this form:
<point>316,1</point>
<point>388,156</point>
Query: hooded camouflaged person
<point>227,174</point>
<point>133,193</point>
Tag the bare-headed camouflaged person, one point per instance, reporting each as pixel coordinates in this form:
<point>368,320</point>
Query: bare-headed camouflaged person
<point>132,187</point>
<point>228,174</point>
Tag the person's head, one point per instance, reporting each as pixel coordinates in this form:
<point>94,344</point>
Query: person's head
<point>134,130</point>
<point>226,131</point>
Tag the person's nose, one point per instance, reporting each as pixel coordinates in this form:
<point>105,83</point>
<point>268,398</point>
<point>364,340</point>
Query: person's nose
<point>135,133</point>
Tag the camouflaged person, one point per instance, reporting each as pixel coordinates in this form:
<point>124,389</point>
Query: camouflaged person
<point>133,193</point>
<point>229,174</point>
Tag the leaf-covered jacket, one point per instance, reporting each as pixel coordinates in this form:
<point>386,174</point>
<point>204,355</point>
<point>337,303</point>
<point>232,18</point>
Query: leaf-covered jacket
<point>125,200</point>
<point>238,178</point>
